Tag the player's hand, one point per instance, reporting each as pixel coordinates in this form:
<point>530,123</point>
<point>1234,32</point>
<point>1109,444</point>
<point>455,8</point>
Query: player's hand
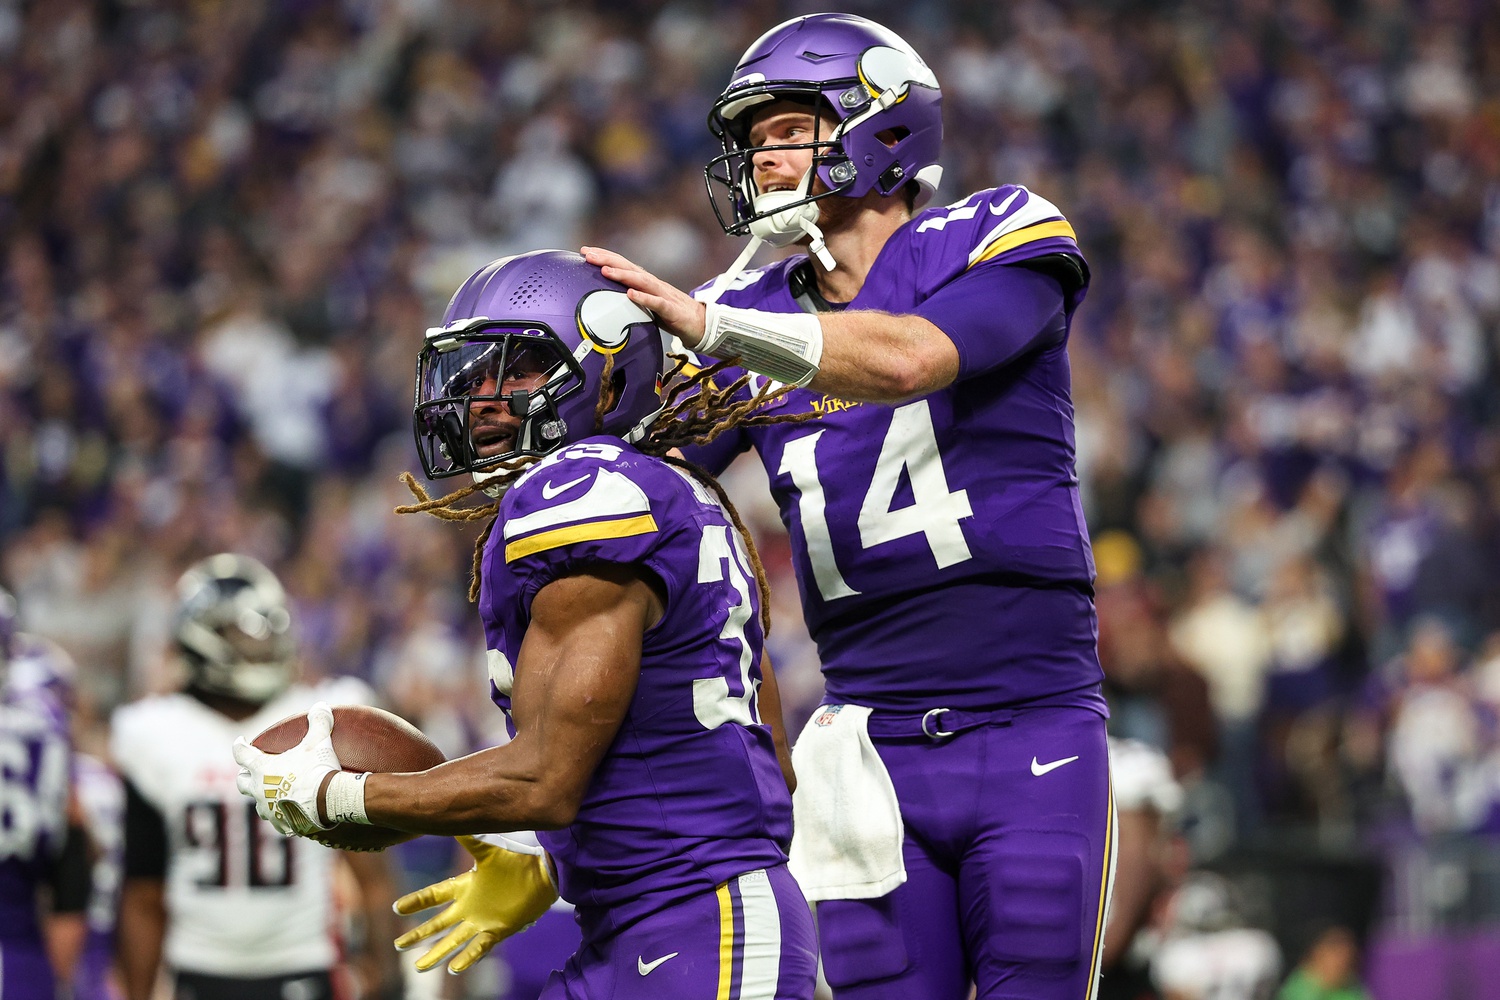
<point>508,888</point>
<point>676,311</point>
<point>285,786</point>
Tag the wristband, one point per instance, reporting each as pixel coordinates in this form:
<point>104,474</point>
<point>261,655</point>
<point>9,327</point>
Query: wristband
<point>344,801</point>
<point>784,346</point>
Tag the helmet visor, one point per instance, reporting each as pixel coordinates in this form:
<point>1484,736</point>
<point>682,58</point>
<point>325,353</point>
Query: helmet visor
<point>525,368</point>
<point>487,368</point>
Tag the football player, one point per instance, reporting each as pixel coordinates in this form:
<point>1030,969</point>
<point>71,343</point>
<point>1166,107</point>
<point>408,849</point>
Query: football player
<point>934,512</point>
<point>622,606</point>
<point>44,865</point>
<point>235,909</point>
<point>1209,951</point>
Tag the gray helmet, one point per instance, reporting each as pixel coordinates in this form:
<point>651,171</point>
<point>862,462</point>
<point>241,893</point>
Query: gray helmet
<point>233,628</point>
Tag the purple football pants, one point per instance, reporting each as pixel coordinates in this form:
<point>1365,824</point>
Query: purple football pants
<point>751,938</point>
<point>1009,855</point>
<point>533,956</point>
<point>25,972</point>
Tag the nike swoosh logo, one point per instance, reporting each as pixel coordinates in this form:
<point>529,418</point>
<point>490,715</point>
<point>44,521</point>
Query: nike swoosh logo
<point>549,491</point>
<point>1004,206</point>
<point>645,968</point>
<point>1041,769</point>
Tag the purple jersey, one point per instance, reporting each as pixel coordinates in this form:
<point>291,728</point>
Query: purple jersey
<point>689,794</point>
<point>939,544</point>
<point>34,762</point>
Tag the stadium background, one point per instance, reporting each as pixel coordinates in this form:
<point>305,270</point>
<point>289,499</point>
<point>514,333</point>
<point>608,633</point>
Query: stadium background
<point>225,224</point>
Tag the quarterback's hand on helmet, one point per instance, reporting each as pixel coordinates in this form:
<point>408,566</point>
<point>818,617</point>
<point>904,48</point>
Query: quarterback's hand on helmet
<point>285,785</point>
<point>508,888</point>
<point>676,310</point>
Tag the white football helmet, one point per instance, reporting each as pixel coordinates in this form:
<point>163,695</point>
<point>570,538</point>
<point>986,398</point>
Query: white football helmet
<point>233,629</point>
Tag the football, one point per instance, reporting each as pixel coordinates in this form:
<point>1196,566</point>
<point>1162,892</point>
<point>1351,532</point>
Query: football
<point>366,739</point>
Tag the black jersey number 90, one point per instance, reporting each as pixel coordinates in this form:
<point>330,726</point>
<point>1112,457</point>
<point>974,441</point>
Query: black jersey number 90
<point>253,854</point>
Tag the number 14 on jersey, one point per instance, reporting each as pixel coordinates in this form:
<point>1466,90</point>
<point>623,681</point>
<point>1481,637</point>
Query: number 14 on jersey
<point>910,445</point>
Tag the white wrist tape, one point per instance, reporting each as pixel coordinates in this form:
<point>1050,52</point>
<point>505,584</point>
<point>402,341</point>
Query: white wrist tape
<point>784,346</point>
<point>344,801</point>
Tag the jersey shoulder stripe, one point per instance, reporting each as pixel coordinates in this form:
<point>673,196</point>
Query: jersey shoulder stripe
<point>611,506</point>
<point>1030,234</point>
<point>592,531</point>
<point>1024,217</point>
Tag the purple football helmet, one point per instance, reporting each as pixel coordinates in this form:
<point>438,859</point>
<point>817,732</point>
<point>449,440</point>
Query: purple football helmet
<point>884,97</point>
<point>532,332</point>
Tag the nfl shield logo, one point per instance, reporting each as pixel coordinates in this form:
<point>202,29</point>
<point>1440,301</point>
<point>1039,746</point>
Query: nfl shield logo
<point>826,717</point>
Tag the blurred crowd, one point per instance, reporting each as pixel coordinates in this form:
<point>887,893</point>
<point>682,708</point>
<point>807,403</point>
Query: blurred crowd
<point>225,226</point>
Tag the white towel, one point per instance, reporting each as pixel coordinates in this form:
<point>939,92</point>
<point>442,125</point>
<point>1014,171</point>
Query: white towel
<point>847,841</point>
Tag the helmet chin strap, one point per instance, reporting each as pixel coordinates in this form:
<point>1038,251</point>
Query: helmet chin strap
<point>780,227</point>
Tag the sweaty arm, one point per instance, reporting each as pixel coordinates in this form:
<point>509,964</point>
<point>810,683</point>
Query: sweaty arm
<point>574,680</point>
<point>977,322</point>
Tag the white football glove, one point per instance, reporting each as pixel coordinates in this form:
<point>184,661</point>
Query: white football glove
<point>285,786</point>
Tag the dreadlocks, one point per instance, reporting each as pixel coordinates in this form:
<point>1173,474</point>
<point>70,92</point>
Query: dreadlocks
<point>695,410</point>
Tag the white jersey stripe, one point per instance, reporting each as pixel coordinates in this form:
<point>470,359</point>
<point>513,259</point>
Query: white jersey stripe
<point>762,954</point>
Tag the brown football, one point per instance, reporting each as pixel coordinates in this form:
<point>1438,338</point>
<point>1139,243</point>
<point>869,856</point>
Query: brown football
<point>366,739</point>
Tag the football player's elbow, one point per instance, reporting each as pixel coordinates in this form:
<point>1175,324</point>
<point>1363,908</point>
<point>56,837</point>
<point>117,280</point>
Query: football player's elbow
<point>554,815</point>
<point>924,366</point>
<point>554,805</point>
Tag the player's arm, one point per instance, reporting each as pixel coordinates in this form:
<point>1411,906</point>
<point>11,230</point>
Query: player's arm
<point>865,355</point>
<point>66,926</point>
<point>770,714</point>
<point>143,911</point>
<point>575,677</point>
<point>376,963</point>
<point>978,322</point>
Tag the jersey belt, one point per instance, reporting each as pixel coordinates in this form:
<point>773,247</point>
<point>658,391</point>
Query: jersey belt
<point>934,724</point>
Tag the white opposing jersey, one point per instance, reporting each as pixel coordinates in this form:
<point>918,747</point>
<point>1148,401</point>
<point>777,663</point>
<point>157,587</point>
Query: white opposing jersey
<point>1142,777</point>
<point>242,900</point>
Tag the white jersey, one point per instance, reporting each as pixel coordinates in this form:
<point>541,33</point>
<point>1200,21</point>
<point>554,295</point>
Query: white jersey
<point>1141,776</point>
<point>242,900</point>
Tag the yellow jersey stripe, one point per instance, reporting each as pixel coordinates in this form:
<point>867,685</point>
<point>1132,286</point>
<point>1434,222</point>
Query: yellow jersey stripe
<point>726,941</point>
<point>1030,234</point>
<point>1109,843</point>
<point>590,531</point>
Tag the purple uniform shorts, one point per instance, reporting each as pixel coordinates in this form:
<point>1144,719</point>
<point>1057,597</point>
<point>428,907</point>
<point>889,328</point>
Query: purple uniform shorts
<point>1009,853</point>
<point>25,972</point>
<point>750,939</point>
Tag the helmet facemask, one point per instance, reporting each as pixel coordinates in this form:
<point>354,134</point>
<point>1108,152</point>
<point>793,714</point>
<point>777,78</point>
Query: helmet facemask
<point>530,371</point>
<point>741,207</point>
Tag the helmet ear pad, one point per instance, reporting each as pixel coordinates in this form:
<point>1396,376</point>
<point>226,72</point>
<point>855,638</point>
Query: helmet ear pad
<point>899,132</point>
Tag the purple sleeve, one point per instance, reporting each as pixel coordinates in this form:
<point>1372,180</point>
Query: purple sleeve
<point>996,314</point>
<point>718,453</point>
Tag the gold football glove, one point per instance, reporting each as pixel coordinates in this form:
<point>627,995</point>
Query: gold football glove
<point>508,888</point>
